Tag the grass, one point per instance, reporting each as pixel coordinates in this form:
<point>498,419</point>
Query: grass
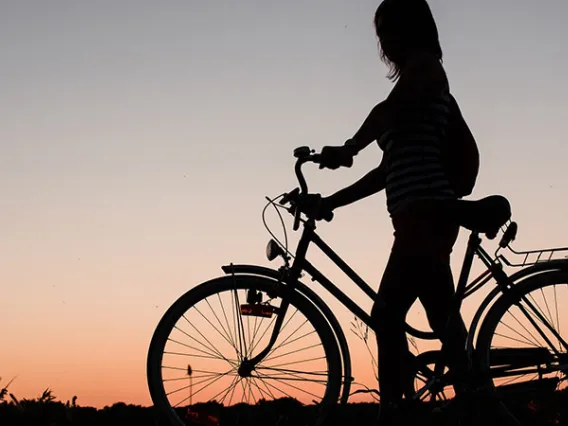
<point>46,410</point>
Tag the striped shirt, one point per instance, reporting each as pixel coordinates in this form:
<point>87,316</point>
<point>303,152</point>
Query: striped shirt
<point>414,152</point>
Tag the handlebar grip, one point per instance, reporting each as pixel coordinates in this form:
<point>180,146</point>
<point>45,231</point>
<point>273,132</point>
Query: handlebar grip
<point>315,158</point>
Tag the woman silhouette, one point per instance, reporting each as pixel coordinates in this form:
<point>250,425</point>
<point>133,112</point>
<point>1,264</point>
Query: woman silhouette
<point>429,158</point>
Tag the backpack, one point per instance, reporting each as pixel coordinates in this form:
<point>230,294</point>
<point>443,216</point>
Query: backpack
<point>462,153</point>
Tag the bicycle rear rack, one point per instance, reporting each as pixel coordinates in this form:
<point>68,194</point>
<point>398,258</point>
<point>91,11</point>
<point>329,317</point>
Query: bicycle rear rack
<point>533,257</point>
<point>529,257</point>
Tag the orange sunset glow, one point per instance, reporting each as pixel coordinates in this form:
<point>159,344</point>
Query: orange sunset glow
<point>139,140</point>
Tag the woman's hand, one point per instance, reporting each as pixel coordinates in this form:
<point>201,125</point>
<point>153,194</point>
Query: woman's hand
<point>315,206</point>
<point>333,157</point>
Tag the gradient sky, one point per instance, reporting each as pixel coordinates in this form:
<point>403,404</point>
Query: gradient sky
<point>138,140</point>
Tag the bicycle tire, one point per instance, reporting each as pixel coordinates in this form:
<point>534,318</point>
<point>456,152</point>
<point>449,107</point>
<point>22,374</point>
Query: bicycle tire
<point>486,356</point>
<point>241,282</point>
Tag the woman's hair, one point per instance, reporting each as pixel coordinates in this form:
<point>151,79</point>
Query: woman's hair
<point>403,26</point>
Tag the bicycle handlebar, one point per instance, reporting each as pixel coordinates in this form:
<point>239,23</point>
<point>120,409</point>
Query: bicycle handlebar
<point>304,155</point>
<point>303,185</point>
<point>311,158</point>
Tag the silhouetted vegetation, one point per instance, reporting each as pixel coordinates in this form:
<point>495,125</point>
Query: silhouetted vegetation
<point>45,410</point>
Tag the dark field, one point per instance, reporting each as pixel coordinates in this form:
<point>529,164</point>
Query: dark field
<point>47,411</point>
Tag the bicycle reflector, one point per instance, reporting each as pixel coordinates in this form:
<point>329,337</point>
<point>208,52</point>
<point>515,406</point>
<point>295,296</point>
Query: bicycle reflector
<point>259,310</point>
<point>273,250</point>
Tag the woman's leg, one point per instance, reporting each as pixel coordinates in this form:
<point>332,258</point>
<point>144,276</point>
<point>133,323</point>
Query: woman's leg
<point>437,290</point>
<point>437,297</point>
<point>419,266</point>
<point>395,297</point>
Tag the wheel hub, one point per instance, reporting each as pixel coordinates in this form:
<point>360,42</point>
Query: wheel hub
<point>246,368</point>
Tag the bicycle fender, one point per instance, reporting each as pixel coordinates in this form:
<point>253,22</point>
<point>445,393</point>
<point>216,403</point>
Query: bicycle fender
<point>252,269</point>
<point>537,268</point>
<point>318,302</point>
<point>477,318</point>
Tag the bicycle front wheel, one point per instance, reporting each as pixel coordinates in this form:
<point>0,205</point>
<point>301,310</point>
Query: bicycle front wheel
<point>200,344</point>
<point>521,345</point>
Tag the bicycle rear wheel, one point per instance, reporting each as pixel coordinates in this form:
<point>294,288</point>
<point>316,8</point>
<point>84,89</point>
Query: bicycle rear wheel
<point>520,343</point>
<point>203,338</point>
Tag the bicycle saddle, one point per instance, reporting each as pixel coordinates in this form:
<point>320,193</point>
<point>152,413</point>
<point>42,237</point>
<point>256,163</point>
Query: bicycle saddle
<point>485,216</point>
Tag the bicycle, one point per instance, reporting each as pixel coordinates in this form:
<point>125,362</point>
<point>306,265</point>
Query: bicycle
<point>255,369</point>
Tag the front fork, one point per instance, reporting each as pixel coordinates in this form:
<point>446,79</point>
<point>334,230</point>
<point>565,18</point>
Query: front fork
<point>248,365</point>
<point>290,276</point>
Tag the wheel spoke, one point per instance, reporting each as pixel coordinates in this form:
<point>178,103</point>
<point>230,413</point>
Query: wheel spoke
<point>227,321</point>
<point>539,314</point>
<point>239,321</point>
<point>535,340</point>
<point>297,362</point>
<point>206,339</point>
<point>294,340</point>
<point>204,387</point>
<point>214,351</point>
<point>249,334</point>
<point>214,327</point>
<point>293,352</point>
<point>255,330</point>
<point>233,383</point>
<point>557,319</point>
<point>228,338</point>
<point>267,389</point>
<point>232,362</point>
<point>239,350</point>
<point>197,383</point>
<point>263,334</point>
<point>542,320</point>
<point>292,386</point>
<point>185,370</point>
<point>243,388</point>
<point>274,387</point>
<point>195,349</point>
<point>177,379</point>
<point>285,325</point>
<point>288,338</point>
<point>234,387</point>
<point>288,371</point>
<point>260,391</point>
<point>240,324</point>
<point>293,379</point>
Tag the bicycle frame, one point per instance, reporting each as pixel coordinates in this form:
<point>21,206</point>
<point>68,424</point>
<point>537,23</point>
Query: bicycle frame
<point>494,270</point>
<point>301,264</point>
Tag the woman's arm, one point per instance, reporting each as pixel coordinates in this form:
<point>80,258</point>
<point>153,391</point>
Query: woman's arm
<point>371,129</point>
<point>370,184</point>
<point>422,78</point>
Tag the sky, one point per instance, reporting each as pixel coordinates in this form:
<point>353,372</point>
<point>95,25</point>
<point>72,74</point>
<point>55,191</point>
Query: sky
<point>138,140</point>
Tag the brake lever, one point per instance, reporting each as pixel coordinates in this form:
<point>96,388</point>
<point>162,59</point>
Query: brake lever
<point>297,214</point>
<point>289,197</point>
